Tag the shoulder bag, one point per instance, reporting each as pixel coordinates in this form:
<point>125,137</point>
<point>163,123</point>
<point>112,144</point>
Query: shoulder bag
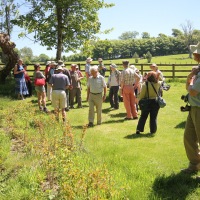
<point>159,99</point>
<point>144,103</point>
<point>39,82</point>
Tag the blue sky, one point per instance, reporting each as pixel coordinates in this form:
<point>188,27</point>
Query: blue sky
<point>154,17</point>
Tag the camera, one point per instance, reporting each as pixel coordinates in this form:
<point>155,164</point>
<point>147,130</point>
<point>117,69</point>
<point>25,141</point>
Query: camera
<point>184,98</point>
<point>185,108</point>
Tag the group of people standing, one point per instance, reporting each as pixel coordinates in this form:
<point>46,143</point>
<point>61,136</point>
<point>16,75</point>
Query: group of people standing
<point>129,84</point>
<point>63,85</point>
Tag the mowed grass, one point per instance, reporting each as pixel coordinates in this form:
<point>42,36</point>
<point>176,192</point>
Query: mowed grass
<point>143,163</point>
<point>144,166</point>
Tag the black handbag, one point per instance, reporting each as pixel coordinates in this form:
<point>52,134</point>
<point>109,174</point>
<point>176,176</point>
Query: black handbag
<point>144,103</point>
<point>161,102</point>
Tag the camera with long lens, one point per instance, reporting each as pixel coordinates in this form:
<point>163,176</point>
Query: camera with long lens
<point>186,107</point>
<point>184,98</point>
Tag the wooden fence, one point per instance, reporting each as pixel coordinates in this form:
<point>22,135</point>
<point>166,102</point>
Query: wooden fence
<point>171,71</point>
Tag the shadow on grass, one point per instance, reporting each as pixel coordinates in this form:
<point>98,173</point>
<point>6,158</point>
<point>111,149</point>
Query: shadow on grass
<point>123,115</point>
<point>181,125</point>
<point>136,136</point>
<point>95,125</point>
<point>176,186</point>
<point>106,110</point>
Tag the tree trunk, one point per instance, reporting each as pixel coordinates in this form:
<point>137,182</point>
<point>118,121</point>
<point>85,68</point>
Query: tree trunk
<point>60,38</point>
<point>8,49</point>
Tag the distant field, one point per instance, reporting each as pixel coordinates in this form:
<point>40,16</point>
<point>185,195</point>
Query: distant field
<point>171,59</point>
<point>159,60</point>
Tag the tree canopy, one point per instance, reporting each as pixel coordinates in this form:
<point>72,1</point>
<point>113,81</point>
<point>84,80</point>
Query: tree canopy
<point>63,24</point>
<point>128,35</point>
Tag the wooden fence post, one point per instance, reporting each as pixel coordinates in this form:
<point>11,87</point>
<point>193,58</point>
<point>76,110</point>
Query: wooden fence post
<point>173,71</point>
<point>142,69</point>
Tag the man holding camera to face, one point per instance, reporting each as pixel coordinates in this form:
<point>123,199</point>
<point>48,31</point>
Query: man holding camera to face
<point>192,128</point>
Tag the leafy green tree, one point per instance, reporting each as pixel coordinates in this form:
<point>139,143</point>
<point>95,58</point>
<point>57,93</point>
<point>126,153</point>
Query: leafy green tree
<point>27,53</point>
<point>43,57</point>
<point>128,35</point>
<point>8,12</point>
<point>63,24</point>
<point>148,57</point>
<point>177,32</point>
<point>145,35</point>
<point>136,56</point>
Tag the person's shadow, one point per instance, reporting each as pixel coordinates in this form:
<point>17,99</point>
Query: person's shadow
<point>181,125</point>
<point>176,186</point>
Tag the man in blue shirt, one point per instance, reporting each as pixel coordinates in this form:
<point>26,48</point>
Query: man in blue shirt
<point>59,83</point>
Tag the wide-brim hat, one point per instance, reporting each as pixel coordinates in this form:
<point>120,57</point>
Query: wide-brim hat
<point>195,48</point>
<point>113,65</point>
<point>48,63</point>
<point>100,59</point>
<point>73,65</point>
<point>133,67</point>
<point>89,59</point>
<point>153,65</point>
<point>53,63</point>
<point>59,67</point>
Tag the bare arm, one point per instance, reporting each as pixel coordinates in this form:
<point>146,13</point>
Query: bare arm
<point>104,93</point>
<point>88,93</point>
<point>189,83</point>
<point>18,72</point>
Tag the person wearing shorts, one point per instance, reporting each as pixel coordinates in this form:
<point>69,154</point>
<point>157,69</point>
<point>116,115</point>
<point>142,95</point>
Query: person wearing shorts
<point>59,83</point>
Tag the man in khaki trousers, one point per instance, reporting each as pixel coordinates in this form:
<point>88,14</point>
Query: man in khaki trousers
<point>192,128</point>
<point>96,94</point>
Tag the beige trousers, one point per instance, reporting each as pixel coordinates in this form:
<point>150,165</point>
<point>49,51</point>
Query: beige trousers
<point>192,138</point>
<point>95,100</point>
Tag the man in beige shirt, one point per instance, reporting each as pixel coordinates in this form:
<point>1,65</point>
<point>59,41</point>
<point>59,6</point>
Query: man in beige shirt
<point>96,94</point>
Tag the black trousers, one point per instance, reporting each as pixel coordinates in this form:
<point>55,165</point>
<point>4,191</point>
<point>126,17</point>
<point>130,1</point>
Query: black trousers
<point>153,112</point>
<point>113,97</point>
<point>29,87</point>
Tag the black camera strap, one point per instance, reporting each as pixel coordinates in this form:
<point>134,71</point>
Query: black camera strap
<point>155,89</point>
<point>147,89</point>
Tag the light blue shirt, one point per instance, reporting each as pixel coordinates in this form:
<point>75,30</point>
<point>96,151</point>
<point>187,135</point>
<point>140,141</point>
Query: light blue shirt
<point>195,100</point>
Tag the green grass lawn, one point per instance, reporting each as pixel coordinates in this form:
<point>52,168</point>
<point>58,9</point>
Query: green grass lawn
<point>146,165</point>
<point>141,166</point>
<point>107,161</point>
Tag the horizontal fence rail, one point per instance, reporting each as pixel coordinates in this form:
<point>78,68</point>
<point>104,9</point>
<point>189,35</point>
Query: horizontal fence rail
<point>172,71</point>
